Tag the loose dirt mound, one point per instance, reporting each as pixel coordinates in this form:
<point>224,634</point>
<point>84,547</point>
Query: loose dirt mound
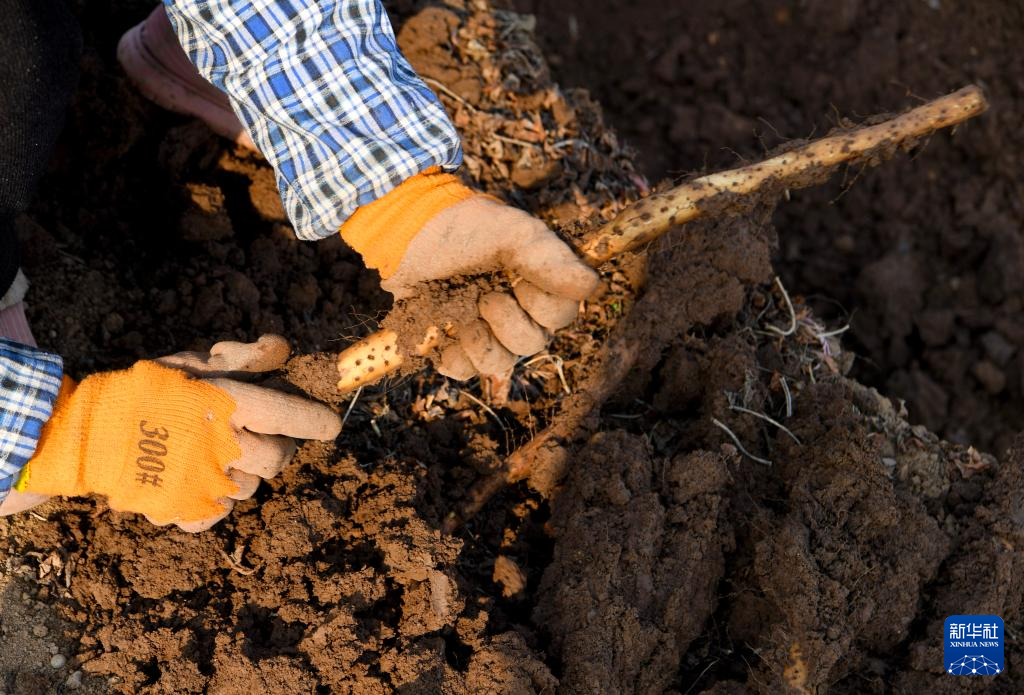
<point>670,559</point>
<point>641,549</point>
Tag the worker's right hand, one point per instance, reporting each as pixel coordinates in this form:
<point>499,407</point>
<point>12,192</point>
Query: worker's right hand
<point>179,439</point>
<point>433,228</point>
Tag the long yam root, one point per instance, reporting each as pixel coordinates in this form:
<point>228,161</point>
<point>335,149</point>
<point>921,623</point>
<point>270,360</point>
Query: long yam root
<point>368,360</point>
<point>374,357</point>
<point>651,217</point>
<point>648,219</point>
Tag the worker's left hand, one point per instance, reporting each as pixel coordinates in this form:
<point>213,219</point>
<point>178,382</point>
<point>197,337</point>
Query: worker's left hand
<point>179,439</point>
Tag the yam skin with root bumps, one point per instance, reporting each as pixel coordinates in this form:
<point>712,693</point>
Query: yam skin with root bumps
<point>721,193</point>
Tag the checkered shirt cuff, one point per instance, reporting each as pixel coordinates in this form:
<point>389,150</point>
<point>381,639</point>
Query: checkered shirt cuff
<point>29,383</point>
<point>326,95</point>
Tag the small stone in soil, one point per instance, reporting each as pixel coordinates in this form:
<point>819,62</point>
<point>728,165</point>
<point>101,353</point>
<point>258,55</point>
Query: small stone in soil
<point>58,661</point>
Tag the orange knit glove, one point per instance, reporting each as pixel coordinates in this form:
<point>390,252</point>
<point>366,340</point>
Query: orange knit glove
<point>382,230</point>
<point>431,227</point>
<point>154,440</point>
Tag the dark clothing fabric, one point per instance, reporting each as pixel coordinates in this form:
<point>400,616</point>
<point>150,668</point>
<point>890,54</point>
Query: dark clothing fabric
<point>40,45</point>
<point>9,257</point>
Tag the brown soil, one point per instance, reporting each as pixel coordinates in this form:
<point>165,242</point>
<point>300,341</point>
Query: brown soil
<point>661,556</point>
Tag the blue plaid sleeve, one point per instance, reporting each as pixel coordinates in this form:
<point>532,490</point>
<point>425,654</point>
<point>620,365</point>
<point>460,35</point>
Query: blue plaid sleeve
<point>326,95</point>
<point>29,384</point>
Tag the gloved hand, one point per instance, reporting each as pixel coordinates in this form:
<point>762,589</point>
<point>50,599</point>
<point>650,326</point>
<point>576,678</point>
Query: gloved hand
<point>432,227</point>
<point>157,440</point>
